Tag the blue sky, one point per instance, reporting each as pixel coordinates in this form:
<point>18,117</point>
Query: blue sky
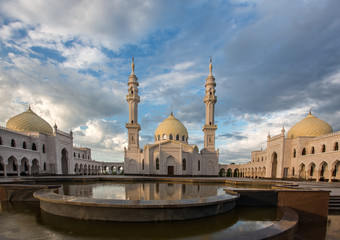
<point>272,61</point>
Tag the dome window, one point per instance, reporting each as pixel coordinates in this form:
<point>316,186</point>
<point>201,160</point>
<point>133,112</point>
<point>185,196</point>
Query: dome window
<point>184,164</point>
<point>0,140</point>
<point>312,150</point>
<point>304,151</point>
<point>294,153</point>
<point>336,146</point>
<point>78,155</point>
<point>164,137</point>
<point>323,149</point>
<point>12,143</point>
<point>43,148</point>
<point>177,137</point>
<point>24,146</point>
<point>199,165</point>
<point>157,163</point>
<point>74,154</point>
<point>183,138</point>
<point>159,137</point>
<point>143,164</point>
<point>34,147</point>
<point>171,137</point>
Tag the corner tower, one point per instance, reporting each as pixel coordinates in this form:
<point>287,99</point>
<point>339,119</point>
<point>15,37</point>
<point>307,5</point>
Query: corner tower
<point>210,99</point>
<point>133,99</point>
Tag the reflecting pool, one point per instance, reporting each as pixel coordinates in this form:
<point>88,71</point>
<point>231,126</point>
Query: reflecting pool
<point>142,190</point>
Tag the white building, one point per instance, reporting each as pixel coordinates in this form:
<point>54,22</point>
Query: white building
<point>171,153</point>
<point>29,145</point>
<point>310,151</point>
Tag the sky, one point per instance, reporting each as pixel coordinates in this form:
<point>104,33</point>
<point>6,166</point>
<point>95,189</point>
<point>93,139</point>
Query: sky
<point>71,59</point>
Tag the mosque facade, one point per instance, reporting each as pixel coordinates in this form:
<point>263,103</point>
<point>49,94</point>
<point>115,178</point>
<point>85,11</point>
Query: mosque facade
<point>171,154</point>
<point>29,146</point>
<point>309,151</point>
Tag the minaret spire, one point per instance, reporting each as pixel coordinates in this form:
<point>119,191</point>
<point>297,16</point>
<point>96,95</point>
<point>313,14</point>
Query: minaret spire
<point>133,99</point>
<point>210,67</point>
<point>133,66</point>
<point>210,99</point>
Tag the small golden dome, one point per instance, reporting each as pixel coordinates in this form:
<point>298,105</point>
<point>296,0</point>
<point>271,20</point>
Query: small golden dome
<point>172,126</point>
<point>310,126</point>
<point>29,122</point>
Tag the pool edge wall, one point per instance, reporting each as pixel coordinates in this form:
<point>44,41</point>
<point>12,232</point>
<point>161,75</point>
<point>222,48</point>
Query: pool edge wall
<point>132,211</point>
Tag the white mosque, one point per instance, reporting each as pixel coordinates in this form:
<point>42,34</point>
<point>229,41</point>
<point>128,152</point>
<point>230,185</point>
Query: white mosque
<point>171,154</point>
<point>310,151</point>
<point>29,145</point>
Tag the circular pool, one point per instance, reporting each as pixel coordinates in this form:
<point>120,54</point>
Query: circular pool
<point>136,202</point>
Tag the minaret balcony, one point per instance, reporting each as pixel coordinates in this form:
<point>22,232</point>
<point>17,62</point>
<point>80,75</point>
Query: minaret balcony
<point>207,127</point>
<point>132,97</point>
<point>209,98</point>
<point>132,126</point>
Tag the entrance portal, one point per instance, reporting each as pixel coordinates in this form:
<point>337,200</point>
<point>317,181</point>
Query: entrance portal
<point>171,170</point>
<point>64,162</point>
<point>274,165</point>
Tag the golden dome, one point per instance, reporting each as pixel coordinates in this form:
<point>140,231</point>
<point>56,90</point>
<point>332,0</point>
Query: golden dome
<point>29,122</point>
<point>310,126</point>
<point>172,126</point>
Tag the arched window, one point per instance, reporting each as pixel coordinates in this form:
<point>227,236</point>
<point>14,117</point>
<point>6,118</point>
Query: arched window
<point>177,137</point>
<point>83,156</point>
<point>184,164</point>
<point>74,154</point>
<point>164,137</point>
<point>304,151</point>
<point>43,148</point>
<point>157,164</point>
<point>34,147</point>
<point>88,156</point>
<point>293,172</point>
<point>294,153</point>
<point>312,150</point>
<point>159,137</point>
<point>14,166</point>
<point>44,166</point>
<point>25,166</point>
<point>258,159</point>
<point>24,146</point>
<point>0,140</point>
<point>143,164</point>
<point>78,155</point>
<point>12,143</point>
<point>170,137</point>
<point>199,165</point>
<point>323,149</point>
<point>336,146</point>
<point>262,159</point>
<point>183,138</point>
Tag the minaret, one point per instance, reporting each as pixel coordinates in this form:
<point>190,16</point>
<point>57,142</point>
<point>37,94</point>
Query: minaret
<point>210,99</point>
<point>133,99</point>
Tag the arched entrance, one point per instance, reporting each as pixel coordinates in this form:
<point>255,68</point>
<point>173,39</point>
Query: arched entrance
<point>35,167</point>
<point>64,162</point>
<point>170,163</point>
<point>274,165</point>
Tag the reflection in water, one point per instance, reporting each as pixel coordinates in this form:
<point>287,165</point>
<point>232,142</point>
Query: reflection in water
<point>22,221</point>
<point>142,190</point>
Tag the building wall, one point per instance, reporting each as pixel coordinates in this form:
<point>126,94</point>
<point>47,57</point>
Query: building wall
<point>303,165</point>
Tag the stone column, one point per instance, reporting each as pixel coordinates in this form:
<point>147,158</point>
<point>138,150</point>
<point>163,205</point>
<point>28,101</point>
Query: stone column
<point>5,170</point>
<point>18,170</point>
<point>318,175</point>
<point>330,175</point>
